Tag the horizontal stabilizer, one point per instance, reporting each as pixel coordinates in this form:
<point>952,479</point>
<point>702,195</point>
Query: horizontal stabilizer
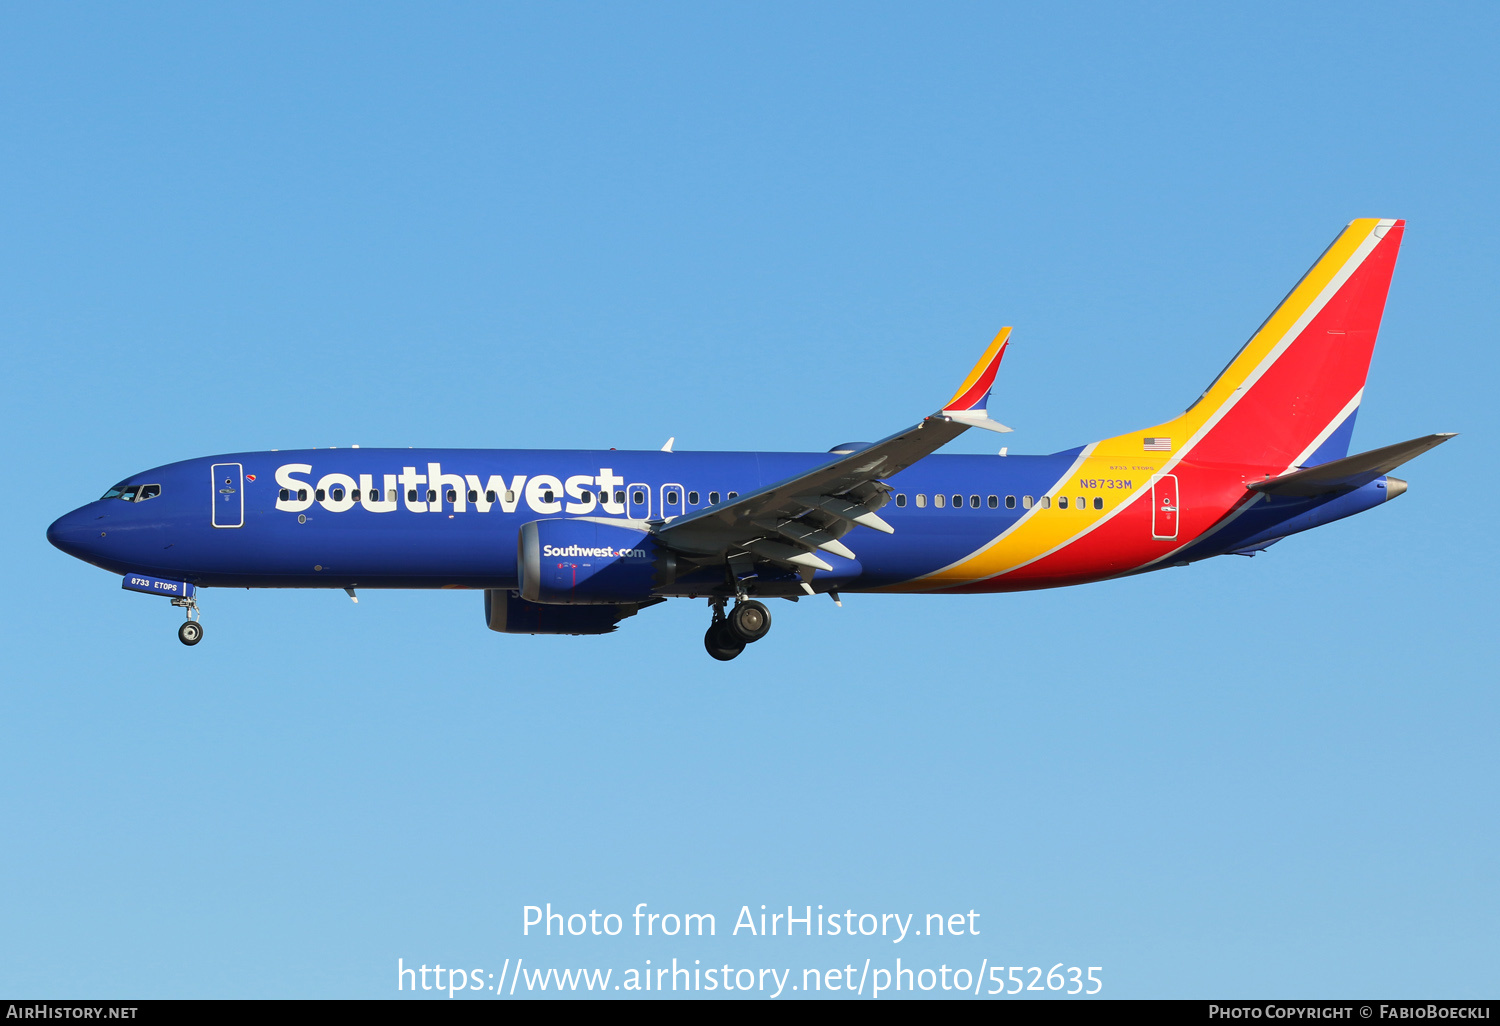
<point>1349,472</point>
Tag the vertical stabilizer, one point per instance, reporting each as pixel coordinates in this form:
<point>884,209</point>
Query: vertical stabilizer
<point>1289,397</point>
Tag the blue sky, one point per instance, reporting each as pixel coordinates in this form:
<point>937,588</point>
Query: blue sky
<point>773,227</point>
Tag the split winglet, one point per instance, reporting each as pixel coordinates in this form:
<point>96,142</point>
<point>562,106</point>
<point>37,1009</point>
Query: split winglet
<point>968,404</point>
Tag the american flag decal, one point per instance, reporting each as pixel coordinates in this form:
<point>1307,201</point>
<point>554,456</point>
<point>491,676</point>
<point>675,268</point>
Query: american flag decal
<point>1156,444</point>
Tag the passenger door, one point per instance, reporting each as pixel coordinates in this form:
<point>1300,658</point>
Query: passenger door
<point>229,495</point>
<point>1164,508</point>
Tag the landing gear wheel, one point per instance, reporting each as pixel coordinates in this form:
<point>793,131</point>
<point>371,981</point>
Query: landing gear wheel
<point>750,621</point>
<point>190,633</point>
<point>721,642</point>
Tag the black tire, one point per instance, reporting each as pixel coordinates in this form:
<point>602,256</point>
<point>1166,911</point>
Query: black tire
<point>721,642</point>
<point>190,633</point>
<point>750,621</point>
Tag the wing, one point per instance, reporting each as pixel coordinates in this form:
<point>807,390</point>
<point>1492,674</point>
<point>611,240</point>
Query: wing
<point>787,522</point>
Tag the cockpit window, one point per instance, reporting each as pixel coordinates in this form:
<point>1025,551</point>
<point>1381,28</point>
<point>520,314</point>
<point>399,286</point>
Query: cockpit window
<point>132,493</point>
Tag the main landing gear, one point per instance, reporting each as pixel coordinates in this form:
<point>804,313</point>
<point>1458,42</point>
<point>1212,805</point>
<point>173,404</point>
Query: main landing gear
<point>191,631</point>
<point>728,634</point>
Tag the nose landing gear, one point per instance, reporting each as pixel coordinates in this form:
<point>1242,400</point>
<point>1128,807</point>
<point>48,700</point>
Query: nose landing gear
<point>727,636</point>
<point>191,631</point>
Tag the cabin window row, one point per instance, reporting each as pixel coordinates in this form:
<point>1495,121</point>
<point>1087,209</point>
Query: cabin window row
<point>993,501</point>
<point>415,495</point>
<point>673,496</point>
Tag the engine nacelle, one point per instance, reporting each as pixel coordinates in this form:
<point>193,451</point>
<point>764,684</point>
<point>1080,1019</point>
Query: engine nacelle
<point>584,562</point>
<point>508,613</point>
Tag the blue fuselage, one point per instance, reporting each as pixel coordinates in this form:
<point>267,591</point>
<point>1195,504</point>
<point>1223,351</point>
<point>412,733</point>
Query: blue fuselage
<point>449,518</point>
<point>417,534</point>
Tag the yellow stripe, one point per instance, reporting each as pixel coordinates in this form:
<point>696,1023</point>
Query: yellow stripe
<point>984,361</point>
<point>1121,458</point>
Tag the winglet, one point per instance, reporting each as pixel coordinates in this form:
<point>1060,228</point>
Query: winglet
<point>968,404</point>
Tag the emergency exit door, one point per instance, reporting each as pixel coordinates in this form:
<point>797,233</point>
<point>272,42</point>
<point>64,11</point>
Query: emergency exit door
<point>638,502</point>
<point>1164,508</point>
<point>671,501</point>
<point>229,495</point>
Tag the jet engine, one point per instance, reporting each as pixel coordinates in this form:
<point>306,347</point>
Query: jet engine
<point>585,562</point>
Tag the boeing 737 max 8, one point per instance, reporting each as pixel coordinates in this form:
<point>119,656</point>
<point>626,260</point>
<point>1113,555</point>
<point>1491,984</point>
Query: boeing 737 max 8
<point>573,542</point>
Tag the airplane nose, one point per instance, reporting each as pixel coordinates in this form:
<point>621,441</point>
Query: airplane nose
<point>73,531</point>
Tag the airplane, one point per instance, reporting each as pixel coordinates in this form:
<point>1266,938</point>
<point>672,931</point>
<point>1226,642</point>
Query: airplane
<point>576,541</point>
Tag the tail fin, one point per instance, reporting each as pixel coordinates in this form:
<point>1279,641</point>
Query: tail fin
<point>1289,397</point>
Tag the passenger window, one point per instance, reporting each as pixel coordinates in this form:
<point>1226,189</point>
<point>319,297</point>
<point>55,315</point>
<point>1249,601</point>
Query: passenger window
<point>1046,502</point>
<point>921,500</point>
<point>1010,502</point>
<point>692,498</point>
<point>994,502</point>
<point>939,501</point>
<point>547,496</point>
<point>713,498</point>
<point>639,498</point>
<point>301,494</point>
<point>672,498</point>
<point>900,499</point>
<point>1025,502</point>
<point>391,495</point>
<point>338,495</point>
<point>284,495</point>
<point>973,502</point>
<point>958,502</point>
<point>489,496</point>
<point>619,498</point>
<point>1081,502</point>
<point>1062,502</point>
<point>318,495</point>
<point>411,495</point>
<point>510,495</point>
<point>473,495</point>
<point>452,495</point>
<point>733,496</point>
<point>374,494</point>
<point>432,495</point>
<point>1098,502</point>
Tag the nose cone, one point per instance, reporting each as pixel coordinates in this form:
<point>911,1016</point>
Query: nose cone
<point>77,533</point>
